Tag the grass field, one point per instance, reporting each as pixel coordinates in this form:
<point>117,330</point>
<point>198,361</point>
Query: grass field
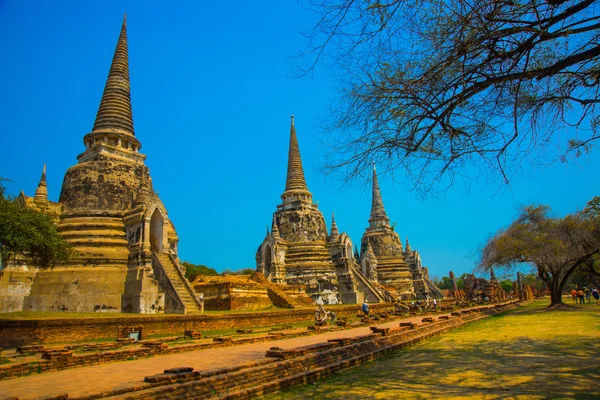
<point>529,353</point>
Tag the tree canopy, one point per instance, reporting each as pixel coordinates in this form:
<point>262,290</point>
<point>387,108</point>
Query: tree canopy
<point>445,283</point>
<point>556,247</point>
<point>193,270</point>
<point>447,88</point>
<point>29,234</point>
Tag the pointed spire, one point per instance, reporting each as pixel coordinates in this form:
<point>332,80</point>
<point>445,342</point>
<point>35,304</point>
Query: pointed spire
<point>378,214</point>
<point>274,228</point>
<point>335,233</point>
<point>369,248</point>
<point>144,189</point>
<point>114,113</point>
<point>408,249</point>
<point>41,193</point>
<point>295,182</point>
<point>268,233</point>
<point>492,274</point>
<point>356,254</point>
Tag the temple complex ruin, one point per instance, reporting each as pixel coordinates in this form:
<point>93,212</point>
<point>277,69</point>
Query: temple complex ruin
<point>124,244</point>
<point>125,247</point>
<point>299,251</point>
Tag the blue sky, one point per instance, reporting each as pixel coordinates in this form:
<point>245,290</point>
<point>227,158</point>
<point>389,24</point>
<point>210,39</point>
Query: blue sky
<point>212,94</point>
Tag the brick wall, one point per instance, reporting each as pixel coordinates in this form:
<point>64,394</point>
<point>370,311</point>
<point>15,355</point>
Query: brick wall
<point>26,332</point>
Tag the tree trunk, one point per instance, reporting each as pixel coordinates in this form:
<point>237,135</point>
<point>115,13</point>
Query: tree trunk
<point>556,294</point>
<point>555,285</point>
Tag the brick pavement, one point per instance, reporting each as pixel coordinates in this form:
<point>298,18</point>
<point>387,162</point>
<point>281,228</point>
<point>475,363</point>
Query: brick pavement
<point>106,377</point>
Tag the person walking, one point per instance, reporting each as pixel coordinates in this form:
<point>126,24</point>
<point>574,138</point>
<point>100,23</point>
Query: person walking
<point>574,295</point>
<point>581,296</point>
<point>586,291</point>
<point>596,295</point>
<point>365,308</point>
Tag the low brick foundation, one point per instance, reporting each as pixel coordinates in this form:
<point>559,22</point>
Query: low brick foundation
<point>27,332</point>
<point>286,368</point>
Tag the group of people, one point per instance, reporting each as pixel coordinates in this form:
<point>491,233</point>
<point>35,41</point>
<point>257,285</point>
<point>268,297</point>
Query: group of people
<point>584,295</point>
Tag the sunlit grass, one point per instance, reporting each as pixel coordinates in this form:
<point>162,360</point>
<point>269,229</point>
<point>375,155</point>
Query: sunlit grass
<point>530,353</point>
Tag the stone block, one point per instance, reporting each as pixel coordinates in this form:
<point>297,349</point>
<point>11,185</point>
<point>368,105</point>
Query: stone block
<point>178,370</point>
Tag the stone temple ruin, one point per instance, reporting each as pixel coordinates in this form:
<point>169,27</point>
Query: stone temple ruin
<point>125,246</point>
<point>125,256</point>
<point>299,251</point>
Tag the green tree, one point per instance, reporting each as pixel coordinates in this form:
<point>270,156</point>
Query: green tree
<point>30,234</point>
<point>506,285</point>
<point>554,246</point>
<point>446,88</point>
<point>193,270</point>
<point>243,271</point>
<point>443,282</point>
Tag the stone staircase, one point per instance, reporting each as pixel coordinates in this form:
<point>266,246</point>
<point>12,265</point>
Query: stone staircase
<point>178,281</point>
<point>276,294</point>
<point>433,289</point>
<point>366,286</point>
<point>387,295</point>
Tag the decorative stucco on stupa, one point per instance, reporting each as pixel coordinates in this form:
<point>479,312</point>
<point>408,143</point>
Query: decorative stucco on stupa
<point>124,244</point>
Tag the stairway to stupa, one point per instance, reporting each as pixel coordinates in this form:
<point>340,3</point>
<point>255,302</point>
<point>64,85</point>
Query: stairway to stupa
<point>177,279</point>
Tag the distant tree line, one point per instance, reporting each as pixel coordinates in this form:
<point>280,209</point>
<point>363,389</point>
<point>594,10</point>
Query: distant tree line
<point>193,270</point>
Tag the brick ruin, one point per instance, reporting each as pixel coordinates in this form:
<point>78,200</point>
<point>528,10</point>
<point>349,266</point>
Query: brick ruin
<point>125,255</point>
<point>125,245</point>
<point>299,251</point>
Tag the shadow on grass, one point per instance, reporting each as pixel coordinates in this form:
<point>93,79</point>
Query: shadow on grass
<point>469,366</point>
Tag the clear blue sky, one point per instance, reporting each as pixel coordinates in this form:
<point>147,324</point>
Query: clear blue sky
<point>212,96</point>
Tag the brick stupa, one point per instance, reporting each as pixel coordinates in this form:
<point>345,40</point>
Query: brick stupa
<point>125,246</point>
<point>384,261</point>
<point>298,252</point>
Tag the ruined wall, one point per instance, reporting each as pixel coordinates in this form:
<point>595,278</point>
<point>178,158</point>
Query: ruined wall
<point>83,289</point>
<point>233,296</point>
<point>14,286</point>
<point>25,332</point>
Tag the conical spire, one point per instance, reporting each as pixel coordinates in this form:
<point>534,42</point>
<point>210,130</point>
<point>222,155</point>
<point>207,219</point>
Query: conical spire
<point>356,255</point>
<point>295,184</point>
<point>144,189</point>
<point>335,233</point>
<point>114,113</point>
<point>378,214</point>
<point>41,193</point>
<point>370,248</point>
<point>274,228</point>
<point>408,249</point>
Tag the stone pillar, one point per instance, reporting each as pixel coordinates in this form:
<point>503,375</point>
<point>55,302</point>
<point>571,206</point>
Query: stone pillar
<point>165,235</point>
<point>146,233</point>
<point>520,286</point>
<point>454,285</point>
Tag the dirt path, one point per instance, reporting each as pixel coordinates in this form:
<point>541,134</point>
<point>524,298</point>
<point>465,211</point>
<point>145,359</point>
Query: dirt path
<point>106,377</point>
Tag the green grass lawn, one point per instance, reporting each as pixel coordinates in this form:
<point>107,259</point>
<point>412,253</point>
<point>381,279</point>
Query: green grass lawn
<point>529,353</point>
